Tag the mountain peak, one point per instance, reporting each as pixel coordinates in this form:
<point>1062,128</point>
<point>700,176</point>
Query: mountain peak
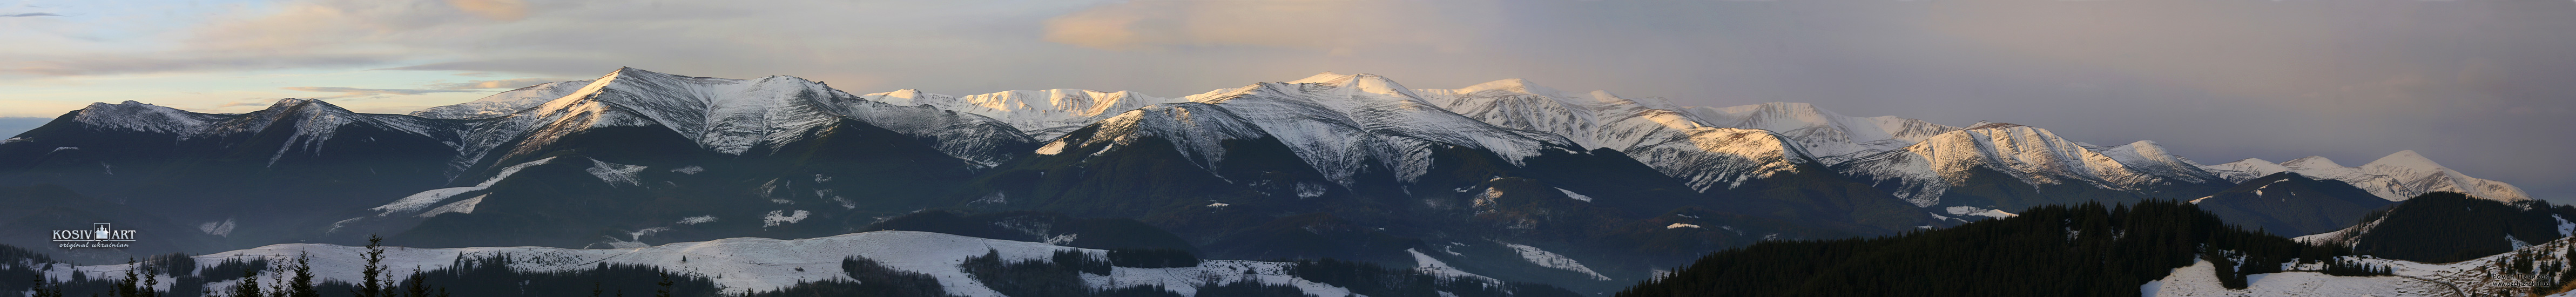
<point>1981,125</point>
<point>2311,162</point>
<point>299,102</point>
<point>2406,159</point>
<point>139,116</point>
<point>1511,85</point>
<point>1363,82</point>
<point>2253,161</point>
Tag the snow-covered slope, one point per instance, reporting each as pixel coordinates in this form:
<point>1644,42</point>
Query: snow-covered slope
<point>1831,137</point>
<point>2488,276</point>
<point>2396,177</point>
<point>1197,129</point>
<point>1043,114</point>
<point>307,123</point>
<point>1923,171</point>
<point>1650,130</point>
<point>739,265</point>
<point>504,103</point>
<point>1342,125</point>
<point>2146,156</point>
<point>729,116</point>
<point>2243,170</point>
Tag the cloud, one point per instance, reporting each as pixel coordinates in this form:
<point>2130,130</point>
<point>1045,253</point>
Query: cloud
<point>31,14</point>
<point>359,92</point>
<point>505,10</point>
<point>494,84</point>
<point>1313,24</point>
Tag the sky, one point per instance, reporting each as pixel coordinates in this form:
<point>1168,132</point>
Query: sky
<point>2485,87</point>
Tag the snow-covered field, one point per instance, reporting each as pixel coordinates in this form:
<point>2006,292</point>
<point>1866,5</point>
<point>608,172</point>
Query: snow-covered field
<point>739,265</point>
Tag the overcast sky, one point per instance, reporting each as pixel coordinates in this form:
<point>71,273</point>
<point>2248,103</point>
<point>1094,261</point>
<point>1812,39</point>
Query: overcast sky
<point>2486,87</point>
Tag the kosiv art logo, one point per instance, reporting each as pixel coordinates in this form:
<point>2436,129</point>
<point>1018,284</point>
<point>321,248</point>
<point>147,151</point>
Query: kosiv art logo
<point>98,236</point>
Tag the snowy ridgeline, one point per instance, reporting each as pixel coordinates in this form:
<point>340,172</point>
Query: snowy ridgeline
<point>2489,276</point>
<point>740,265</point>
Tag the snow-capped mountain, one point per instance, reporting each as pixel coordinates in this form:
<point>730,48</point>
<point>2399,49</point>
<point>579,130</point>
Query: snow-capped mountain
<point>2395,177</point>
<point>1043,114</point>
<point>193,168</point>
<point>1651,130</point>
<point>1925,172</point>
<point>2247,169</point>
<point>1831,137</point>
<point>1344,124</point>
<point>505,102</point>
<point>729,116</point>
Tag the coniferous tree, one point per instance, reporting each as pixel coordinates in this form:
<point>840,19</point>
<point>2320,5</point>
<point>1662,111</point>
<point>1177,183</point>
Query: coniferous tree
<point>302,286</point>
<point>372,281</point>
<point>665,291</point>
<point>419,286</point>
<point>46,290</point>
<point>249,286</point>
<point>150,283</point>
<point>125,287</point>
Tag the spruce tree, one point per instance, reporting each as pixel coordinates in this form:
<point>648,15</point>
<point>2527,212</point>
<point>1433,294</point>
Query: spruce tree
<point>665,291</point>
<point>249,286</point>
<point>372,279</point>
<point>303,284</point>
<point>419,286</point>
<point>125,287</point>
<point>151,283</point>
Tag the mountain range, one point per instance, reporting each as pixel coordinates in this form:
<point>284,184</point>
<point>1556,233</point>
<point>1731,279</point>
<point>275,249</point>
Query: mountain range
<point>1505,179</point>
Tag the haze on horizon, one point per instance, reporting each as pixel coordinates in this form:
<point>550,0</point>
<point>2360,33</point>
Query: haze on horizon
<point>2485,87</point>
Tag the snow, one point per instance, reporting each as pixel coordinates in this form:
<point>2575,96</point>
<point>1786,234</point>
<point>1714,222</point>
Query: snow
<point>2200,279</point>
<point>1432,266</point>
<point>1197,129</point>
<point>1571,194</point>
<point>1551,260</point>
<point>1680,225</point>
<point>217,228</point>
<point>2396,177</point>
<point>1923,171</point>
<point>781,217</point>
<point>1653,131</point>
<point>1043,114</point>
<point>614,173</point>
<point>697,220</point>
<point>460,206</point>
<point>739,265</point>
<point>1978,211</point>
<point>139,117</point>
<point>1342,125</point>
<point>690,170</point>
<point>2244,170</point>
<point>424,199</point>
<point>2565,228</point>
<point>505,102</point>
<point>1830,137</point>
<point>729,116</point>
